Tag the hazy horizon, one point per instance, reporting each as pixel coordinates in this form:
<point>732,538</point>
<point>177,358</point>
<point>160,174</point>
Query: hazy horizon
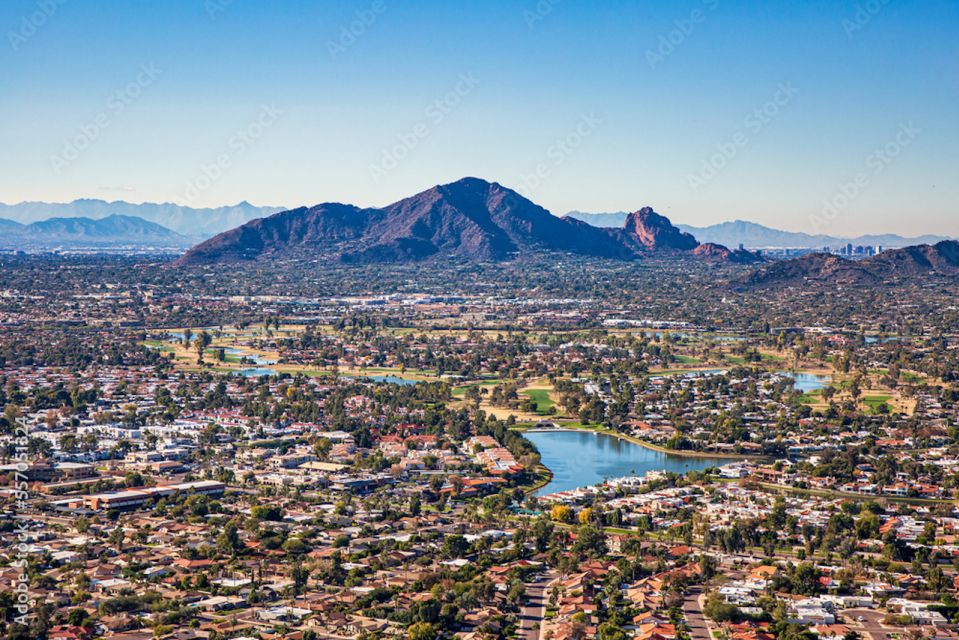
<point>678,221</point>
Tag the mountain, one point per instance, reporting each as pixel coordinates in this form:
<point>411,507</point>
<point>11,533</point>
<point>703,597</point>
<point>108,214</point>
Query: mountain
<point>808,269</point>
<point>187,221</point>
<point>719,253</point>
<point>921,261</point>
<point>751,234</point>
<point>110,231</point>
<point>471,219</point>
<point>653,232</point>
<point>8,227</point>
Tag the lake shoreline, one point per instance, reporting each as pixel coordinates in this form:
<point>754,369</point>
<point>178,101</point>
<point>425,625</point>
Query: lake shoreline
<point>653,447</point>
<point>578,460</point>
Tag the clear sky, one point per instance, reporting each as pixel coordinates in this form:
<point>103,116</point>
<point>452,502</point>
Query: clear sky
<point>808,115</point>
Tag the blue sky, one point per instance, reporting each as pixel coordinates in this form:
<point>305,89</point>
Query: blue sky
<point>838,117</point>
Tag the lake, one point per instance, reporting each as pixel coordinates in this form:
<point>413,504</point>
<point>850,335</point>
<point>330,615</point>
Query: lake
<point>583,458</point>
<point>403,382</point>
<point>256,372</point>
<point>252,357</point>
<point>807,382</point>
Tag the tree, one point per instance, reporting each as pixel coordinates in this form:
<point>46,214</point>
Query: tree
<point>322,448</point>
<point>229,540</point>
<point>609,631</point>
<point>202,341</point>
<point>300,577</point>
<point>455,546</point>
<point>421,631</point>
<point>560,513</point>
<point>719,610</point>
<point>116,538</point>
<point>805,580</point>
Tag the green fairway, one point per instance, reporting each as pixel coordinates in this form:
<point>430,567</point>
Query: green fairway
<point>541,398</point>
<point>874,402</point>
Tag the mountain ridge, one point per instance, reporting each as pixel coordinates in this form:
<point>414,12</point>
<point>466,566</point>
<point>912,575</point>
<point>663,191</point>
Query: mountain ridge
<point>758,236</point>
<point>184,220</point>
<point>111,230</point>
<point>919,261</point>
<point>470,218</point>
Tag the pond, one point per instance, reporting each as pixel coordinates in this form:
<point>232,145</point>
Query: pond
<point>252,357</point>
<point>807,382</point>
<point>256,372</point>
<point>403,382</point>
<point>584,458</point>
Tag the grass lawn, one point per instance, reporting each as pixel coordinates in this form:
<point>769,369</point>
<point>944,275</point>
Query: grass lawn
<point>210,354</point>
<point>459,392</point>
<point>541,398</point>
<point>158,345</point>
<point>874,402</point>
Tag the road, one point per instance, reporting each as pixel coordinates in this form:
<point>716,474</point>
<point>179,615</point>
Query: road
<point>870,623</point>
<point>692,607</point>
<point>534,608</point>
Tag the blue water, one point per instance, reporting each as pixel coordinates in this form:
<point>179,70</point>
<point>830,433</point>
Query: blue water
<point>807,382</point>
<point>582,458</point>
<point>253,357</point>
<point>403,382</point>
<point>256,372</point>
<point>702,373</point>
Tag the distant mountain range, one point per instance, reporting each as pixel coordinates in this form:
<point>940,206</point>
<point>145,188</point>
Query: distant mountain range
<point>471,219</point>
<point>909,263</point>
<point>112,231</point>
<point>757,236</point>
<point>186,221</point>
